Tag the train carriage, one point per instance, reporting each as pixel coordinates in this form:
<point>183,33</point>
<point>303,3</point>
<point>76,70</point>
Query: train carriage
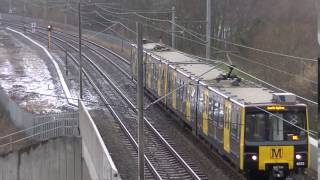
<point>255,128</point>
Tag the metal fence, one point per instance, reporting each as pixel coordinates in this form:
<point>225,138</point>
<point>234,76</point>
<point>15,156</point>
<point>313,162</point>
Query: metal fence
<point>45,127</point>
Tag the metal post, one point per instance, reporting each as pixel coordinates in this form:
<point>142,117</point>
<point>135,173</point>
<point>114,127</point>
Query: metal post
<point>140,103</point>
<point>49,39</point>
<point>208,31</point>
<point>10,6</point>
<point>173,28</point>
<point>80,58</point>
<point>66,61</point>
<point>46,10</point>
<point>65,14</point>
<point>24,8</point>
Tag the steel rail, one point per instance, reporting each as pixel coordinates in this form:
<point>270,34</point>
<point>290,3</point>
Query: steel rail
<point>115,115</point>
<point>133,107</point>
<point>180,159</point>
<point>167,145</point>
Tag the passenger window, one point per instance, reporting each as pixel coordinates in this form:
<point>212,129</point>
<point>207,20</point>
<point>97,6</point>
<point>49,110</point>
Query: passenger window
<point>193,91</point>
<point>182,91</point>
<point>201,101</point>
<point>162,75</point>
<point>216,113</point>
<point>154,71</point>
<point>221,115</point>
<point>234,122</point>
<point>211,113</point>
<point>239,124</point>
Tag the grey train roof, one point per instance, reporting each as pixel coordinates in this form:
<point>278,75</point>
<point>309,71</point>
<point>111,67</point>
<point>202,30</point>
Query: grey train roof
<point>245,92</point>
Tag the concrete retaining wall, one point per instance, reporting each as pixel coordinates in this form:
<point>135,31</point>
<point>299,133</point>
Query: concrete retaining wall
<point>95,153</point>
<point>56,159</point>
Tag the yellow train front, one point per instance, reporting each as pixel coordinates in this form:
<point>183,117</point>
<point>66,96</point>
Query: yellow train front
<point>275,139</point>
<point>257,129</point>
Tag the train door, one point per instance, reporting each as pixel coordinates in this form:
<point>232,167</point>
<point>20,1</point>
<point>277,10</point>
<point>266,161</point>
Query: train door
<point>226,125</point>
<point>165,79</point>
<point>188,103</point>
<point>149,72</point>
<point>174,92</point>
<point>205,110</point>
<point>159,80</point>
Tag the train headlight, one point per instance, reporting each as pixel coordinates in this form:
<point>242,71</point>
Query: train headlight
<point>254,157</point>
<point>298,157</point>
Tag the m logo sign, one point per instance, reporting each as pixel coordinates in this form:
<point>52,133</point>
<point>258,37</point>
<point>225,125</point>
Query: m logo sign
<point>276,153</point>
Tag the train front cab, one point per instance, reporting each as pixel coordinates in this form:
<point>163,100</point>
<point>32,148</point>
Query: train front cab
<point>272,145</point>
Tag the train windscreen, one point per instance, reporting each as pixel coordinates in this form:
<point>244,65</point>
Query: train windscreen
<point>276,126</point>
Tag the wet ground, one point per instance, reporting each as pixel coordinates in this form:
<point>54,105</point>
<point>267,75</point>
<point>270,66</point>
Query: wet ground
<point>27,77</point>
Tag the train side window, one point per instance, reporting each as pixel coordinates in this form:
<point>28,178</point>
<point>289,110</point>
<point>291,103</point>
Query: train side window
<point>169,82</point>
<point>239,124</point>
<point>201,101</point>
<point>154,68</point>
<point>221,115</point>
<point>162,75</point>
<point>182,91</point>
<point>210,109</point>
<point>234,122</point>
<point>216,114</point>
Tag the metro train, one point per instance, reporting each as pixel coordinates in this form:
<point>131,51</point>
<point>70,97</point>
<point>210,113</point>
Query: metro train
<point>256,129</point>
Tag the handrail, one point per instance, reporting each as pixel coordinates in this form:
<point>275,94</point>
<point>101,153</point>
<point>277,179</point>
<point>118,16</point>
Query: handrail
<point>24,138</point>
<point>33,127</point>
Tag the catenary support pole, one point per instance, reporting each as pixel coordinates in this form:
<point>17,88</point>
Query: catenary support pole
<point>45,12</point>
<point>66,56</point>
<point>140,103</point>
<point>10,6</point>
<point>208,30</point>
<point>80,58</point>
<point>173,28</point>
<point>65,14</point>
<point>24,8</point>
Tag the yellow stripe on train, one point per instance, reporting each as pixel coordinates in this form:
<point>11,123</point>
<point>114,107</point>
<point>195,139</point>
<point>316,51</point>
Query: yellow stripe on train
<point>276,155</point>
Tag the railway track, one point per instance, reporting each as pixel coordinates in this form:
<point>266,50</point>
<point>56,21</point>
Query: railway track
<point>163,162</point>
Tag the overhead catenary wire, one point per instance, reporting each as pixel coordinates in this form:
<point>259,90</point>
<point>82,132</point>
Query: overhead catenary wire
<point>270,67</point>
<point>264,82</point>
<point>260,80</point>
<point>247,59</point>
<point>165,11</point>
<point>156,28</point>
<point>271,113</point>
<point>134,13</point>
<point>106,29</point>
<point>214,38</point>
<point>248,47</point>
<point>165,31</point>
<point>273,68</point>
